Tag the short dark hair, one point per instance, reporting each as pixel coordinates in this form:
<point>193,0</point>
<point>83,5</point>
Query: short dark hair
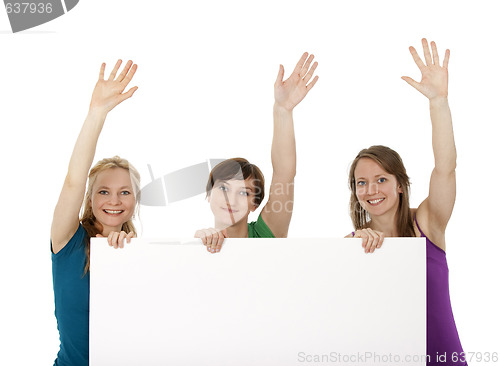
<point>240,169</point>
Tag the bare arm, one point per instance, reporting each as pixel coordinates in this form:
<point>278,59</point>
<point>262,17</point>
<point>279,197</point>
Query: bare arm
<point>435,211</point>
<point>278,211</point>
<point>107,94</point>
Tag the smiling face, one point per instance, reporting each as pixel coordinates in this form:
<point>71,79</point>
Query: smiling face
<point>377,191</point>
<point>231,201</point>
<point>113,199</point>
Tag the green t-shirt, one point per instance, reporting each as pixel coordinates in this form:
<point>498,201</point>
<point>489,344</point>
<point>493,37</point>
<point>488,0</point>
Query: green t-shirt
<point>259,229</point>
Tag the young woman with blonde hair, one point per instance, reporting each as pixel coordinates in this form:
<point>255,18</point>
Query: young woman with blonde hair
<point>380,207</point>
<point>109,206</point>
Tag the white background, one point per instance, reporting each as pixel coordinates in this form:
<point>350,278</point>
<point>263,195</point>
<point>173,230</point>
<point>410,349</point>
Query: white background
<point>205,77</point>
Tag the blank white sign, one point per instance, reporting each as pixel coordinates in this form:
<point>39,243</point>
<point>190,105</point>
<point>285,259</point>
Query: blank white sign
<point>258,302</point>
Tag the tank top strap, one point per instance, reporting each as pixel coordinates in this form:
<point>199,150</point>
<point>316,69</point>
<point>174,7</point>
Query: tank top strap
<point>419,229</point>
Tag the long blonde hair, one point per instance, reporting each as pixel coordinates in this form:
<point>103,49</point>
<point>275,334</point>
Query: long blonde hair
<point>392,163</point>
<point>88,219</point>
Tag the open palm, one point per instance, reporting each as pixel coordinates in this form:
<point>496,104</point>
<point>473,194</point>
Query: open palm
<point>290,92</point>
<point>434,81</point>
<point>109,93</point>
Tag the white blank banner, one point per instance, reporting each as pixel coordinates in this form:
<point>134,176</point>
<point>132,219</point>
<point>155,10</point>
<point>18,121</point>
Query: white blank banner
<point>265,302</point>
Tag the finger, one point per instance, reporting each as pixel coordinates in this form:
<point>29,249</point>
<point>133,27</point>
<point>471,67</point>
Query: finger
<point>370,241</point>
<point>210,238</point>
<point>215,240</point>
<point>361,234</point>
<point>116,237</point>
<point>435,55</point>
<point>376,239</point>
<point>381,239</point>
<point>219,243</point>
<point>130,236</point>
<point>101,72</point>
<point>298,67</point>
<point>306,66</point>
<point>125,70</point>
<point>110,237</point>
<point>312,83</point>
<point>416,58</point>
<point>446,59</point>
<point>427,53</point>
<point>310,72</point>
<point>113,73</point>
<point>128,94</point>
<point>99,236</point>
<point>279,78</point>
<point>412,82</point>
<point>129,76</point>
<point>203,235</point>
<point>121,236</point>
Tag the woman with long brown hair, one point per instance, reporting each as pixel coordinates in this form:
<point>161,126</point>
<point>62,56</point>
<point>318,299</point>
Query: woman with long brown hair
<point>379,204</point>
<point>109,206</point>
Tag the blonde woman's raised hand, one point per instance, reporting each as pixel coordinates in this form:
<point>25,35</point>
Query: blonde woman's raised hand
<point>434,83</point>
<point>289,93</point>
<point>109,93</point>
<point>116,239</point>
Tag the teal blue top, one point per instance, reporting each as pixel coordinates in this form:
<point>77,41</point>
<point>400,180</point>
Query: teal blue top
<point>259,229</point>
<point>71,297</point>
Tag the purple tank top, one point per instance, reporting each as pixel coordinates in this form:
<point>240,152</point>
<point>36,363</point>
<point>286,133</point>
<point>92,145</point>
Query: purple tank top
<point>443,343</point>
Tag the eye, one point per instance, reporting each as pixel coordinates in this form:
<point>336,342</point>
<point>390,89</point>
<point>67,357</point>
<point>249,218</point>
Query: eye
<point>244,193</point>
<point>382,180</point>
<point>361,183</point>
<point>125,193</point>
<point>103,192</point>
<point>223,188</point>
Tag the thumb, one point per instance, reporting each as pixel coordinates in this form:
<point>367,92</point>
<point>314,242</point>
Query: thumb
<point>224,232</point>
<point>99,236</point>
<point>128,94</point>
<point>410,81</point>
<point>279,78</point>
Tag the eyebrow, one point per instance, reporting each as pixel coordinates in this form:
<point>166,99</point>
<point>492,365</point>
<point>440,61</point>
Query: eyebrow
<point>104,187</point>
<point>378,175</point>
<point>241,187</point>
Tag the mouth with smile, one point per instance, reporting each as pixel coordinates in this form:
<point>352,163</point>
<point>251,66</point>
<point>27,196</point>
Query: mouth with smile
<point>227,209</point>
<point>113,212</point>
<point>375,202</point>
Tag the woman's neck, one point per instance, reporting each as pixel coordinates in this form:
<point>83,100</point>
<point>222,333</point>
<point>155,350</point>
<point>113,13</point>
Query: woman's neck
<point>105,230</point>
<point>388,224</point>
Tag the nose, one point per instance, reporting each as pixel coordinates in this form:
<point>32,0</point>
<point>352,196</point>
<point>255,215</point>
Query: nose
<point>372,188</point>
<point>232,200</point>
<point>115,199</point>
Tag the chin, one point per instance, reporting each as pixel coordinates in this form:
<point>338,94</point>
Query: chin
<point>225,220</point>
<point>113,221</point>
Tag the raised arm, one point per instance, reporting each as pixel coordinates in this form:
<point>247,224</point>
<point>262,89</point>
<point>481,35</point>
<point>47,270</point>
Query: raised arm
<point>435,211</point>
<point>287,94</point>
<point>107,95</point>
